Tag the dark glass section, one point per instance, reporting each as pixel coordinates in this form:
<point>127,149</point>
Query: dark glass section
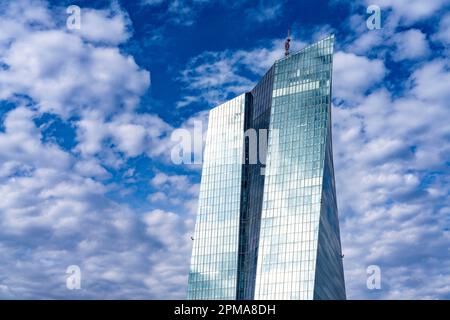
<point>257,119</point>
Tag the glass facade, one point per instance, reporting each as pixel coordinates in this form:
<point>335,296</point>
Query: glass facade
<point>214,261</point>
<point>286,242</point>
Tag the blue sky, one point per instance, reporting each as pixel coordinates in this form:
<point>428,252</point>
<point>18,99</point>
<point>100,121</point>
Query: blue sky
<point>86,118</point>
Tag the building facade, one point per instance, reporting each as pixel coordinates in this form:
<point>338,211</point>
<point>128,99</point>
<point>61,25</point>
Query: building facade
<point>267,225</point>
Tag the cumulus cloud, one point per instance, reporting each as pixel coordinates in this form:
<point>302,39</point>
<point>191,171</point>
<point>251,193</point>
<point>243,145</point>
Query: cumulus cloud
<point>56,209</point>
<point>170,262</point>
<point>21,139</point>
<point>55,214</point>
<point>81,74</point>
<point>398,38</point>
<point>353,75</point>
<point>65,75</point>
<point>431,81</point>
<point>443,33</point>
<point>104,26</point>
<point>173,188</point>
<point>411,11</point>
<point>387,149</point>
<point>130,133</point>
<point>410,45</point>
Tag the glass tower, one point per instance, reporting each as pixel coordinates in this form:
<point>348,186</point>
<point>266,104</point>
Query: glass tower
<point>267,226</point>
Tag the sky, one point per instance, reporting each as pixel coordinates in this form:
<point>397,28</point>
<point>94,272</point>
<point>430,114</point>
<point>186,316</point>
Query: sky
<point>87,116</point>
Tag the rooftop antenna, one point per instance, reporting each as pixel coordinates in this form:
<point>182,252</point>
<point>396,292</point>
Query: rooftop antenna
<point>287,43</point>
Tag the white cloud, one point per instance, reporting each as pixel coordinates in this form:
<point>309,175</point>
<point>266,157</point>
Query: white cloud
<point>411,11</point>
<point>174,184</point>
<point>392,39</point>
<point>410,45</point>
<point>91,131</point>
<point>386,148</point>
<point>157,196</point>
<point>78,73</point>
<point>45,165</point>
<point>443,33</point>
<point>108,27</point>
<point>366,42</point>
<point>54,214</point>
<point>20,144</point>
<point>64,75</point>
<point>130,133</point>
<point>91,168</point>
<point>379,149</point>
<point>56,209</point>
<point>353,75</point>
<point>431,81</point>
<point>169,264</point>
<point>18,17</point>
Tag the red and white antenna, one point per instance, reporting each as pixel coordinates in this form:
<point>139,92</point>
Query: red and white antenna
<point>287,43</point>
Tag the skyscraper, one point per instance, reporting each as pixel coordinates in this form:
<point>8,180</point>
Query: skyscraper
<point>267,226</point>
